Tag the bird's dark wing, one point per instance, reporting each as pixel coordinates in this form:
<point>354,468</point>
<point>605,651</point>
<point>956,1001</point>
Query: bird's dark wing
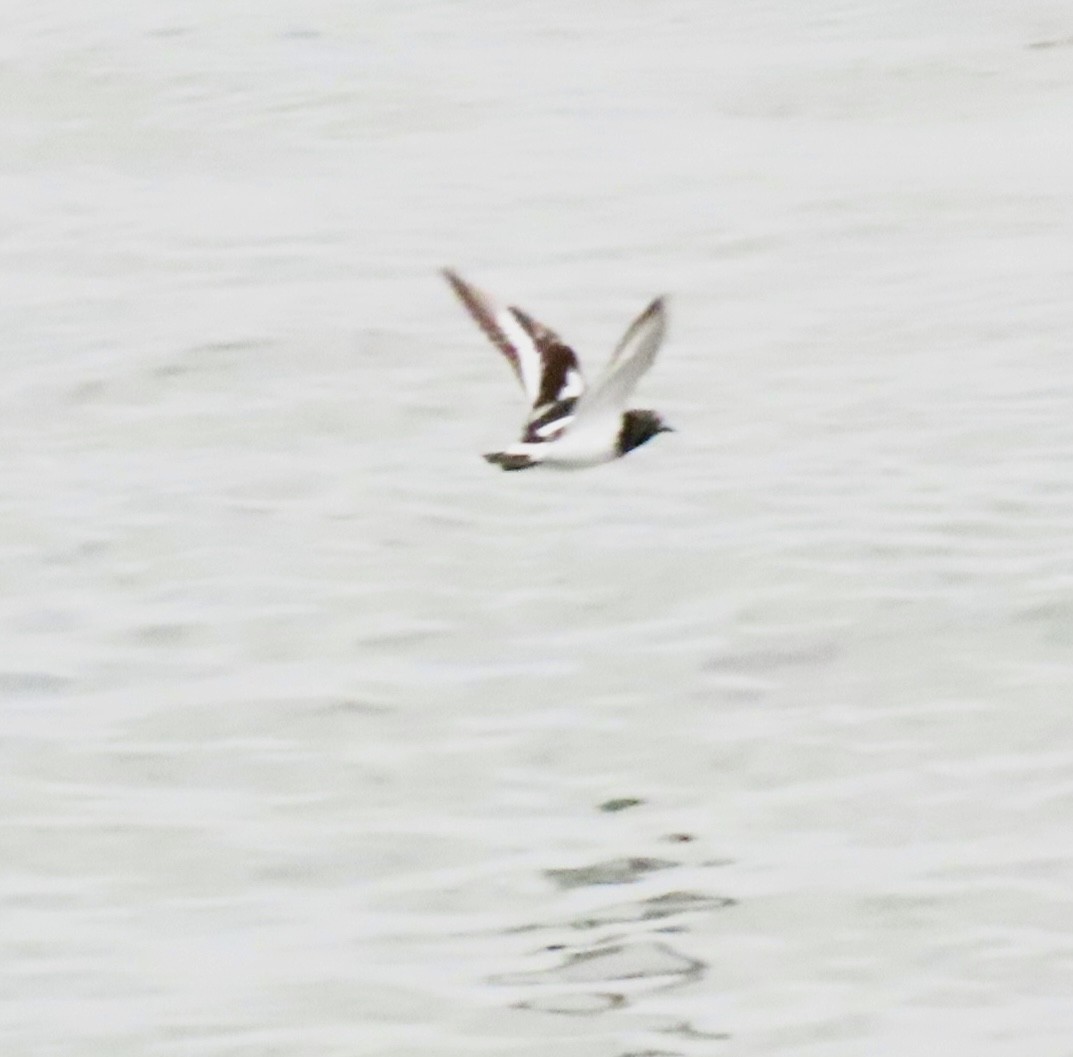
<point>546,366</point>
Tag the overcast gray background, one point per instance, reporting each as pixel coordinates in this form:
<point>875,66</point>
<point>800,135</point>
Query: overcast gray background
<point>307,715</point>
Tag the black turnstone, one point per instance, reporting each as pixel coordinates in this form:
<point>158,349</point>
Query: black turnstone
<point>569,426</point>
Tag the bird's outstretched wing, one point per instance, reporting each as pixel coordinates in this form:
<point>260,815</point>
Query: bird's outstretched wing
<point>606,399</point>
<point>546,366</point>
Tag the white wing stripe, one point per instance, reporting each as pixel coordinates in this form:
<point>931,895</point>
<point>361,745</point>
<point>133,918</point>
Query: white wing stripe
<point>573,387</point>
<point>556,426</point>
<point>528,354</point>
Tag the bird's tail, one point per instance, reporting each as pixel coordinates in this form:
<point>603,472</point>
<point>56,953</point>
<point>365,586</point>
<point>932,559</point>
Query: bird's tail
<point>509,461</point>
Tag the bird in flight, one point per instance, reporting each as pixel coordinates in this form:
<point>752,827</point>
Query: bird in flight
<point>569,425</point>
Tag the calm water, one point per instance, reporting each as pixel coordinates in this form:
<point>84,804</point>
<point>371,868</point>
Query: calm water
<point>320,737</point>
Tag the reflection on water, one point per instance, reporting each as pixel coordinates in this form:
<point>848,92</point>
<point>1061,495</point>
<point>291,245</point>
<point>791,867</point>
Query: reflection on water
<point>614,872</point>
<point>588,978</point>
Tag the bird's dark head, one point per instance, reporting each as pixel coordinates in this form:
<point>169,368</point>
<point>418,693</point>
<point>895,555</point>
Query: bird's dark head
<point>639,426</point>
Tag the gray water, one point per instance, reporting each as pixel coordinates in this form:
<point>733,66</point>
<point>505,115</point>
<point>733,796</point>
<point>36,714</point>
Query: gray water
<point>320,737</point>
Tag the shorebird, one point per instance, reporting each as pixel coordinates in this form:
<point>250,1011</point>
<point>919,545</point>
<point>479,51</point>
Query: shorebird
<point>569,425</point>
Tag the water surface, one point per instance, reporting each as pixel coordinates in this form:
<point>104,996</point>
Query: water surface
<point>319,737</point>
